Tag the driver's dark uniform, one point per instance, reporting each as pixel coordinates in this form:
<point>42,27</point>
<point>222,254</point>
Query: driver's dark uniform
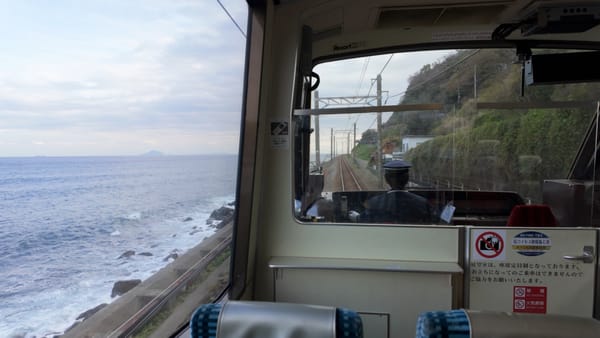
<point>397,206</point>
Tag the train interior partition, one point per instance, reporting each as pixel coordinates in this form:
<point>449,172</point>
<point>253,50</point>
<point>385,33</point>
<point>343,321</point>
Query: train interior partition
<point>341,101</point>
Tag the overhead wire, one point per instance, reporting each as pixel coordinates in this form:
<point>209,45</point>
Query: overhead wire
<point>232,19</point>
<point>362,74</point>
<point>362,77</point>
<point>386,64</point>
<point>436,75</point>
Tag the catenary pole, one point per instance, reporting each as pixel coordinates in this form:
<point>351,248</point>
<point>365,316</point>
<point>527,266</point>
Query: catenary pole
<point>317,137</point>
<point>379,132</point>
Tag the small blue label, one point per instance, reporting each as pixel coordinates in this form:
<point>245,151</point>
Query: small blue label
<point>531,243</point>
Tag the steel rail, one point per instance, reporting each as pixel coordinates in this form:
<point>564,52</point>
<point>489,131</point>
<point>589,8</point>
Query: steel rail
<point>345,168</point>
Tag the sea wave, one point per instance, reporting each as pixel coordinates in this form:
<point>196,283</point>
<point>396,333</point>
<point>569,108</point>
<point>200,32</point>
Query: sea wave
<point>45,311</point>
<point>60,245</point>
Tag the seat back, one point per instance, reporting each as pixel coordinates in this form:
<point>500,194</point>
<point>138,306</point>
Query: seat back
<point>492,324</point>
<point>264,320</point>
<point>531,215</point>
<point>443,324</point>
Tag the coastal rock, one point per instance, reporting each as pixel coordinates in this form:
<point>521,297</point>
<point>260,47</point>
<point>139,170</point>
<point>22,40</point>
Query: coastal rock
<point>122,286</point>
<point>127,254</point>
<point>145,254</point>
<point>221,213</point>
<point>224,222</point>
<point>220,217</point>
<point>87,314</point>
<point>172,255</point>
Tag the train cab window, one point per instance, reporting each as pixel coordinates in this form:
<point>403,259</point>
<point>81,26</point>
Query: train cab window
<point>446,137</point>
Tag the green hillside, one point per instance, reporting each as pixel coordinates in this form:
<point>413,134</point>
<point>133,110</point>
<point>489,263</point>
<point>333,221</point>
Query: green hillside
<point>489,149</point>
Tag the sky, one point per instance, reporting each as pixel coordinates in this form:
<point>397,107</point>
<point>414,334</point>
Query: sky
<point>113,77</point>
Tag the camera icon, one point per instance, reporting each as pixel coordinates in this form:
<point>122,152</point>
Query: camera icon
<point>489,243</point>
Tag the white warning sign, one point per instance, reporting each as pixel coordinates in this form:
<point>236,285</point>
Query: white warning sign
<point>279,135</point>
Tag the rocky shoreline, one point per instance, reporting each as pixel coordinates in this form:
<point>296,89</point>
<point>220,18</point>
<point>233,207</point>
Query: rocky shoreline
<point>217,219</point>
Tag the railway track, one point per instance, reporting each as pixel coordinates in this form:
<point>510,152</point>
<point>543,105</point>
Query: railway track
<point>348,180</point>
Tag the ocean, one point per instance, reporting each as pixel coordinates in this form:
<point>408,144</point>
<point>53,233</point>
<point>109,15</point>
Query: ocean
<point>64,222</point>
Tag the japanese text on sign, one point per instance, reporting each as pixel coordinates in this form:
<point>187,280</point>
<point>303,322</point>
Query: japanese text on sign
<point>525,273</point>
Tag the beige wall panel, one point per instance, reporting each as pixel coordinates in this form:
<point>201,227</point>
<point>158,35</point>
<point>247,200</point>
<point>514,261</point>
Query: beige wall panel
<point>529,273</point>
<point>401,295</point>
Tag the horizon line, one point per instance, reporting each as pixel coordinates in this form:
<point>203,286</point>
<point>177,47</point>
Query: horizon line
<point>135,155</point>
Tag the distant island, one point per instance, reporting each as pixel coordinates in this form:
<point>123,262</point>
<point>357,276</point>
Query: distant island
<point>153,153</point>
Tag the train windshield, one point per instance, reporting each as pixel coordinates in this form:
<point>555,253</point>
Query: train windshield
<point>447,137</point>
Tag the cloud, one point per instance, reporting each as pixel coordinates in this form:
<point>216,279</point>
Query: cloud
<point>112,67</point>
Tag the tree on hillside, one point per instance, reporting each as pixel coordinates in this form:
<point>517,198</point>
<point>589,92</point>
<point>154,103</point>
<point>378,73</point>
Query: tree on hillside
<point>369,137</point>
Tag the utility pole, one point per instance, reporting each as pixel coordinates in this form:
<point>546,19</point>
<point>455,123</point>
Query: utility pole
<point>317,137</point>
<point>354,141</point>
<point>348,144</point>
<point>334,147</point>
<point>475,82</point>
<point>379,132</point>
<point>332,140</point>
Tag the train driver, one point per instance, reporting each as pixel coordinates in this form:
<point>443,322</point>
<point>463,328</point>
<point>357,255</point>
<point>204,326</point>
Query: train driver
<point>397,205</point>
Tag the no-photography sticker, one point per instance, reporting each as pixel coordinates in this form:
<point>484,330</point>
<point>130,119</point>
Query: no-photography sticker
<point>489,244</point>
